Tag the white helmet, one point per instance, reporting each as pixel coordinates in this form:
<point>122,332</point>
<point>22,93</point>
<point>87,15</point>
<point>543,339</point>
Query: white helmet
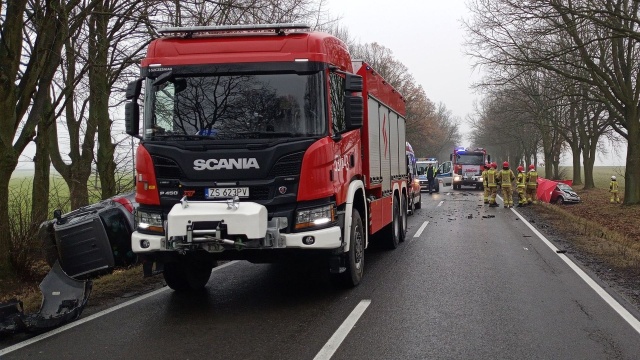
<point>613,177</point>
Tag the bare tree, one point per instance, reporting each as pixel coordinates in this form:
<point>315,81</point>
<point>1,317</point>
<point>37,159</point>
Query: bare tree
<point>601,33</point>
<point>25,77</point>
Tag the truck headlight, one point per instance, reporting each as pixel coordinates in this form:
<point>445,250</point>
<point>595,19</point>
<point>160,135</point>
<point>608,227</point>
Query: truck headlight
<point>480,179</point>
<point>457,178</point>
<point>315,216</point>
<point>149,221</point>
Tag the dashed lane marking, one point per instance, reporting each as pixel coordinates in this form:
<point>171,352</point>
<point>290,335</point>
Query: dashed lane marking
<point>338,337</point>
<point>419,232</point>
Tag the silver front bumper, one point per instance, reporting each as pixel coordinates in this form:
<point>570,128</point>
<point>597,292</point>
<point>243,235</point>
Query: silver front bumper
<point>219,226</point>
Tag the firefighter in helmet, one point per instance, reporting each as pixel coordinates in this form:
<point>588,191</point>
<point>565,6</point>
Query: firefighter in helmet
<point>532,185</point>
<point>492,184</point>
<point>613,189</point>
<point>521,184</point>
<point>506,177</point>
<point>487,166</point>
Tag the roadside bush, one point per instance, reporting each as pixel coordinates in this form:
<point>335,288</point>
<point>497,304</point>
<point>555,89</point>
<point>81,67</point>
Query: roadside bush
<point>25,252</point>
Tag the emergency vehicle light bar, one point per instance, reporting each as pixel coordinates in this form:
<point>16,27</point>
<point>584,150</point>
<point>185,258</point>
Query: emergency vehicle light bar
<point>189,31</point>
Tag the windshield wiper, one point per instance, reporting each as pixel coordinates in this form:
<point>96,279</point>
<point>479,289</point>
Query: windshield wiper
<point>272,134</point>
<point>182,136</point>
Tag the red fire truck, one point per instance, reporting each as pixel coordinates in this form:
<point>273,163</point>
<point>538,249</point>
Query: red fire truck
<point>467,166</point>
<point>264,143</point>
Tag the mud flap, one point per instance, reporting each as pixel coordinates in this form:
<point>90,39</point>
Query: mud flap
<point>63,300</point>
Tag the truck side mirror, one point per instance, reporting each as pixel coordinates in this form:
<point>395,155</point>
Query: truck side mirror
<point>488,158</point>
<point>132,117</point>
<point>131,108</point>
<point>353,112</point>
<point>353,83</point>
<point>450,157</point>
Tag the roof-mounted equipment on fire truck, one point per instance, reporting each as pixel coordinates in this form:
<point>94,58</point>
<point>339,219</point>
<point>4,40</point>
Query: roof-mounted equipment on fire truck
<point>189,32</point>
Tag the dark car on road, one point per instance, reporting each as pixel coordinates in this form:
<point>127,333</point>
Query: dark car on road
<point>564,194</point>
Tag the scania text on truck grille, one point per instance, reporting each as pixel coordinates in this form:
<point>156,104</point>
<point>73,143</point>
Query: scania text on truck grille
<point>264,143</point>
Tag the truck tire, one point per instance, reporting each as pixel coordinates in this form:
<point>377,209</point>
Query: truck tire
<point>391,233</point>
<point>185,276</point>
<point>403,218</point>
<point>352,276</point>
<point>355,265</point>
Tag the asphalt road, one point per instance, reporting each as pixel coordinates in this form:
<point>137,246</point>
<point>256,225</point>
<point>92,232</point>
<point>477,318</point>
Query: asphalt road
<point>465,286</point>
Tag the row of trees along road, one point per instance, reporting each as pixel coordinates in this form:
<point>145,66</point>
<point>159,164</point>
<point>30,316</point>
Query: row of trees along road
<point>559,74</point>
<point>64,66</point>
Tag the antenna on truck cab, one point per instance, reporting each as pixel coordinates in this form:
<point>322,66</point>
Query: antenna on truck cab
<point>189,32</point>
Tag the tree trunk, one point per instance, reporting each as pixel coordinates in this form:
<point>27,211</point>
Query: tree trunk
<point>99,100</point>
<point>8,163</point>
<point>42,163</point>
<point>632,170</point>
<point>589,159</point>
<point>588,172</point>
<point>78,190</point>
<point>577,171</point>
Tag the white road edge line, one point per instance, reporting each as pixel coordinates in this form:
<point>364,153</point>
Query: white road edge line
<point>615,305</point>
<point>419,232</point>
<point>92,317</point>
<point>338,337</point>
<point>441,202</point>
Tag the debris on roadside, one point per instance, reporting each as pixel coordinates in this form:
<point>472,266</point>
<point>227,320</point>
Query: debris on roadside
<point>79,245</point>
<point>63,299</point>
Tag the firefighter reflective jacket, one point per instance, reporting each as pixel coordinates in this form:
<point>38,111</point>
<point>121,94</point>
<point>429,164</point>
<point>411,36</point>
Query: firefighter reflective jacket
<point>491,178</point>
<point>506,177</point>
<point>613,187</point>
<point>522,180</point>
<point>532,179</point>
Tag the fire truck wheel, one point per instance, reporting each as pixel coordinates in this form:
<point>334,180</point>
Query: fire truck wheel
<point>187,276</point>
<point>391,233</point>
<point>355,257</point>
<point>403,216</point>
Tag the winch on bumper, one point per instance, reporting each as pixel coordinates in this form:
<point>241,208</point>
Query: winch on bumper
<point>216,226</point>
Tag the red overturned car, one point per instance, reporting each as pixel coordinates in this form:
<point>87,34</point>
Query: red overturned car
<point>557,192</point>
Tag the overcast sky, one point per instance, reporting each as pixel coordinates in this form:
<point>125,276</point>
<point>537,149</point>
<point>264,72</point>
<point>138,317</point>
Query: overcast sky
<point>426,36</point>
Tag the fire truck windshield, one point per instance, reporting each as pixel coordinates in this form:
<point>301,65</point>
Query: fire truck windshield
<point>470,159</point>
<point>229,107</point>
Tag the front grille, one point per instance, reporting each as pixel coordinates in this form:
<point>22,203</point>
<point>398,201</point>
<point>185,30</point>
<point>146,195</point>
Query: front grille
<point>166,168</point>
<point>288,165</point>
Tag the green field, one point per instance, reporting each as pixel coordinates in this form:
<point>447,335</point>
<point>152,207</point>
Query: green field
<point>601,175</point>
<point>21,188</point>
